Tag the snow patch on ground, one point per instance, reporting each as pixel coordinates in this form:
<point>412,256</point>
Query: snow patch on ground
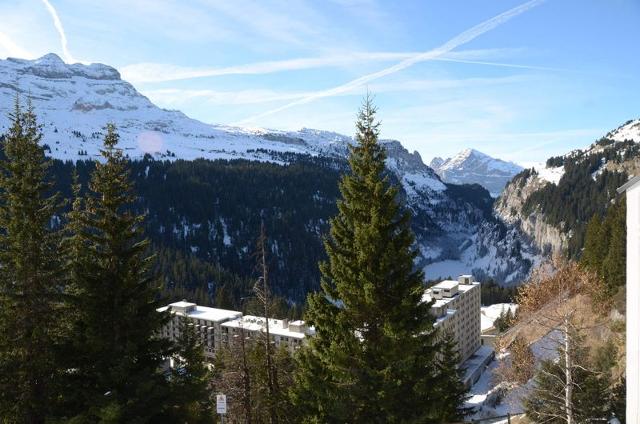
<point>551,175</point>
<point>484,391</point>
<point>488,314</point>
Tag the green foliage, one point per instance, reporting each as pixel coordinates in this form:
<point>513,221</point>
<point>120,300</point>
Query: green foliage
<point>492,293</point>
<point>605,247</point>
<point>374,356</point>
<point>202,218</point>
<point>504,321</point>
<point>32,326</point>
<point>191,400</point>
<point>555,161</point>
<point>475,195</point>
<point>118,348</point>
<point>580,194</point>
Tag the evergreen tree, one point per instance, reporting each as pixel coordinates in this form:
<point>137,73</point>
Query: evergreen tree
<point>614,263</point>
<point>190,379</point>
<point>119,348</point>
<point>31,283</point>
<point>374,357</point>
<point>594,245</point>
<point>605,247</point>
<point>589,391</point>
<point>451,391</point>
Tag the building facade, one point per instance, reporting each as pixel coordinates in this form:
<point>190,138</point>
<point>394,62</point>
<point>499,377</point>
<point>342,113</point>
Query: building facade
<point>282,333</point>
<point>456,307</point>
<point>221,327</point>
<point>632,190</point>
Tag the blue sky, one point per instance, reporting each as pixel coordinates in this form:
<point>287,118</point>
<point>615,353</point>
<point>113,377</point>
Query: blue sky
<point>552,76</point>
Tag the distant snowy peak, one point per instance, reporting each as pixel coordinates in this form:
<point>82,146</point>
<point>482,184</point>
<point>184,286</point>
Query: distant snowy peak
<point>473,167</point>
<point>51,66</point>
<point>630,130</point>
<point>74,102</point>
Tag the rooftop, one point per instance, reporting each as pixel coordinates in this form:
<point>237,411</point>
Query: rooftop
<point>446,284</point>
<point>204,312</point>
<point>255,323</point>
<point>629,184</point>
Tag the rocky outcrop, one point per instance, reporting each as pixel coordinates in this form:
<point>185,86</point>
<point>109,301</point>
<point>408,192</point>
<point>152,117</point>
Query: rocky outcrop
<point>510,208</point>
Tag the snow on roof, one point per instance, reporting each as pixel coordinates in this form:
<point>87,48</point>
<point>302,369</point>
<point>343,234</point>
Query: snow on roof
<point>255,323</point>
<point>213,314</point>
<point>466,287</point>
<point>446,284</point>
<point>182,304</point>
<point>631,183</point>
<point>203,312</point>
<point>446,316</point>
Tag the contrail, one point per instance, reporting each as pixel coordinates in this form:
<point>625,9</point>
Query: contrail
<point>63,37</point>
<point>12,49</point>
<point>455,42</point>
<point>500,64</point>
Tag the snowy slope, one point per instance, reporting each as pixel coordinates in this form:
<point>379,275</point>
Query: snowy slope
<point>630,130</point>
<point>489,314</point>
<point>74,103</point>
<point>471,166</point>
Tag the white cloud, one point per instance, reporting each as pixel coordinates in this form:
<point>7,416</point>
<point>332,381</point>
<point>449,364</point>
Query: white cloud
<point>453,43</point>
<point>63,36</point>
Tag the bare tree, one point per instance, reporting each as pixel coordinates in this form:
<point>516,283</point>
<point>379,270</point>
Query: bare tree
<point>234,378</point>
<point>565,390</point>
<point>261,289</point>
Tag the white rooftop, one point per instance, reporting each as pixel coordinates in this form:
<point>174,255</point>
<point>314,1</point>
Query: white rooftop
<point>182,304</point>
<point>446,284</point>
<point>466,287</point>
<point>254,323</point>
<point>204,312</point>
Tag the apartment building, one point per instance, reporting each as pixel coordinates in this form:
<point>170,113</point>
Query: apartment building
<point>456,306</point>
<point>220,327</point>
<point>282,333</point>
<point>207,322</point>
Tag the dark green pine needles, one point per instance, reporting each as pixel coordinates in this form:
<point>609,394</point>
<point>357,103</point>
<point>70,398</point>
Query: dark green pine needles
<point>31,281</point>
<point>118,344</point>
<point>376,357</point>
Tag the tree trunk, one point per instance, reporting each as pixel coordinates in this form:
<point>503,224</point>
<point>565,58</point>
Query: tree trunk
<point>568,401</point>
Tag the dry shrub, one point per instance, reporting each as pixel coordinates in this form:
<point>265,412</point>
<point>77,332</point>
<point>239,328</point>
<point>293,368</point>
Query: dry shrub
<point>557,281</point>
<point>520,365</point>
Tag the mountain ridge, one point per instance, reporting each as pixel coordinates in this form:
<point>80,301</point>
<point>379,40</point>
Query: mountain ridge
<point>454,232</point>
<point>471,166</point>
<point>552,202</point>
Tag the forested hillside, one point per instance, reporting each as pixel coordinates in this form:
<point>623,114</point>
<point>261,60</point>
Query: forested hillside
<point>204,216</point>
<point>555,212</point>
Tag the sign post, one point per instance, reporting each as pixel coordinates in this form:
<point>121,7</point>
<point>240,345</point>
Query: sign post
<point>221,406</point>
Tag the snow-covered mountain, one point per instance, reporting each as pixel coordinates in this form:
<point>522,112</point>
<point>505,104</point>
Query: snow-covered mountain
<point>549,201</point>
<point>471,166</point>
<point>74,102</point>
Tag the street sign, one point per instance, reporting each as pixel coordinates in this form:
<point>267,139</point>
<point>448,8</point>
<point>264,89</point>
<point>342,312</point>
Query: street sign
<point>221,404</point>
